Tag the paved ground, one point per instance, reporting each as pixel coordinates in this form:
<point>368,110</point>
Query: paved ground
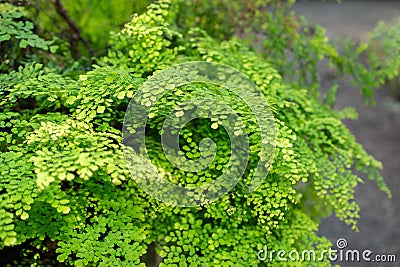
<point>378,129</point>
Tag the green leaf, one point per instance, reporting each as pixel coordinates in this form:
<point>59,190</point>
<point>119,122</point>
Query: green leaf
<point>63,209</point>
<point>10,241</point>
<point>121,95</point>
<point>24,216</point>
<point>53,48</point>
<point>109,79</point>
<point>101,109</point>
<point>62,257</point>
<point>5,37</point>
<point>70,100</point>
<point>23,43</point>
<point>179,113</point>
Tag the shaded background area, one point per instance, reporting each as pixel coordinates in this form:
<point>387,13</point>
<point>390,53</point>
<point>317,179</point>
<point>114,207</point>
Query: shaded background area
<point>378,129</point>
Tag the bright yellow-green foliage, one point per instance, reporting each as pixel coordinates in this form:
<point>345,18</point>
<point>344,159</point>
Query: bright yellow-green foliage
<point>145,44</point>
<point>67,195</point>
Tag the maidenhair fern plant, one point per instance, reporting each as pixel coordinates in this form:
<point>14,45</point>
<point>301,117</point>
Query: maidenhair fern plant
<point>68,197</point>
<point>17,34</point>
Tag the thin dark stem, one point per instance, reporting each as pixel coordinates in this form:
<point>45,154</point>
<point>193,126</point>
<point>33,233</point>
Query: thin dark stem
<point>77,35</point>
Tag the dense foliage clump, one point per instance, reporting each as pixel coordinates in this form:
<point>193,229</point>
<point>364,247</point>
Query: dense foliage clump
<point>67,196</point>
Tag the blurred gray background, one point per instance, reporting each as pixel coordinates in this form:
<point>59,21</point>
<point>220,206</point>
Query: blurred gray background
<point>378,129</point>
